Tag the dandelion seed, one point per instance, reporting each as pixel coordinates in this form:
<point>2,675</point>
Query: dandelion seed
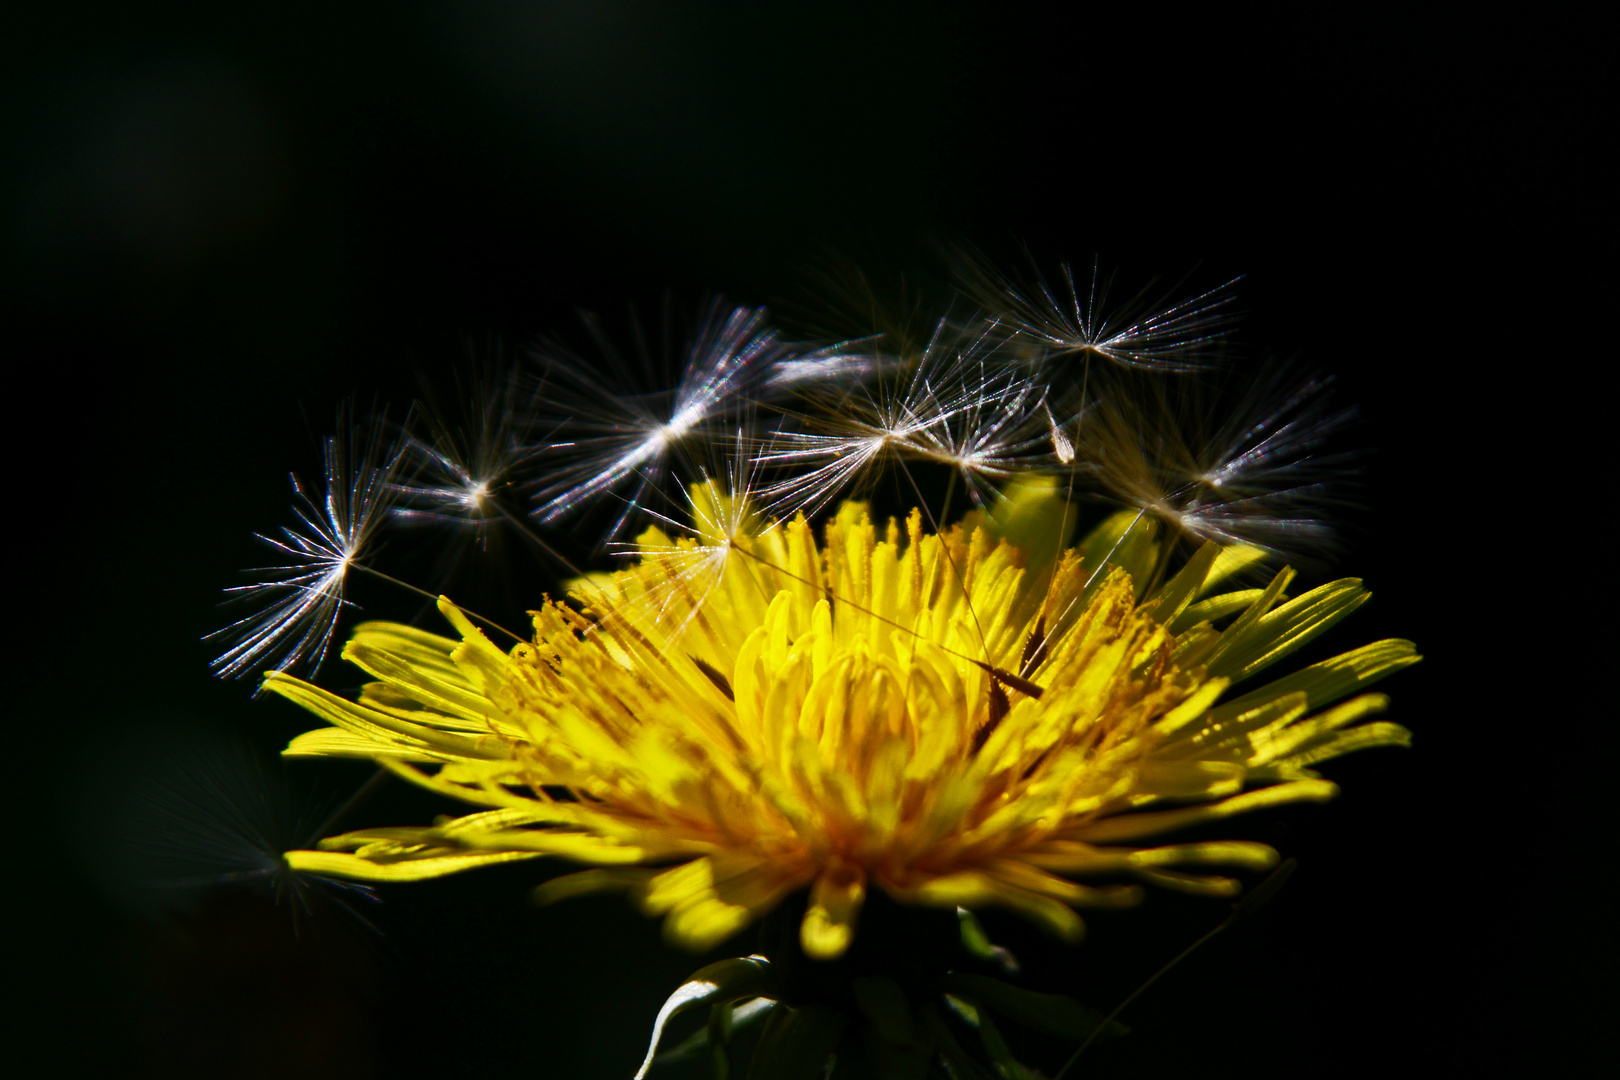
<point>302,597</point>
<point>203,814</point>
<point>613,441</point>
<point>1062,445</point>
<point>1256,478</point>
<point>691,546</point>
<point>894,321</point>
<point>457,472</point>
<point>1143,332</point>
<point>993,436</point>
<point>800,738</point>
<point>956,405</point>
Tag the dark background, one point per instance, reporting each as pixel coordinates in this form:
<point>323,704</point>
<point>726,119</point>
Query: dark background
<point>222,224</point>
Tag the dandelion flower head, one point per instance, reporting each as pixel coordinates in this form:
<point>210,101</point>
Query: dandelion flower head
<point>961,717</point>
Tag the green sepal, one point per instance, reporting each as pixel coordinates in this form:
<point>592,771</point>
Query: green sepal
<point>797,1043</point>
<point>1252,644</point>
<point>1234,559</point>
<point>978,945</point>
<point>596,879</point>
<point>1178,592</point>
<point>1216,607</point>
<point>1055,1014</point>
<point>1033,514</point>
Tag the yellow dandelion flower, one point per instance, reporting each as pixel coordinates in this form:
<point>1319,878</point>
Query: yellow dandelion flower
<point>966,718</point>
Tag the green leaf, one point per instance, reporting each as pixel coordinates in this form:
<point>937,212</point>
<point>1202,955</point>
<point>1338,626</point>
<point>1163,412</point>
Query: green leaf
<point>743,1015</point>
<point>719,1031</point>
<point>1054,1014</point>
<point>889,1046</point>
<point>957,1060</point>
<point>884,1005</point>
<point>797,1043</point>
<point>717,984</point>
<point>1007,1067</point>
<point>865,1055</point>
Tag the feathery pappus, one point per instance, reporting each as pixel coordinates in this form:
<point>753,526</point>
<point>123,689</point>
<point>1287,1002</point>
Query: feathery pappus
<point>958,404</point>
<point>1247,471</point>
<point>302,597</point>
<point>206,813</point>
<point>456,471</point>
<point>692,543</point>
<point>1166,335</point>
<point>616,435</point>
<point>838,364</point>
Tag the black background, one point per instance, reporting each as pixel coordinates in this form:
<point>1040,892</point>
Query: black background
<point>222,224</point>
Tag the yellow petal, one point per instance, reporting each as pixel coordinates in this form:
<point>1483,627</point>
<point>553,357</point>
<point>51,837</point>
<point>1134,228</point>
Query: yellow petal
<point>1132,826</point>
<point>835,901</point>
<point>344,865</point>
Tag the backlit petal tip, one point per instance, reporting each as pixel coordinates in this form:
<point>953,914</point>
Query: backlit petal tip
<point>835,902</point>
